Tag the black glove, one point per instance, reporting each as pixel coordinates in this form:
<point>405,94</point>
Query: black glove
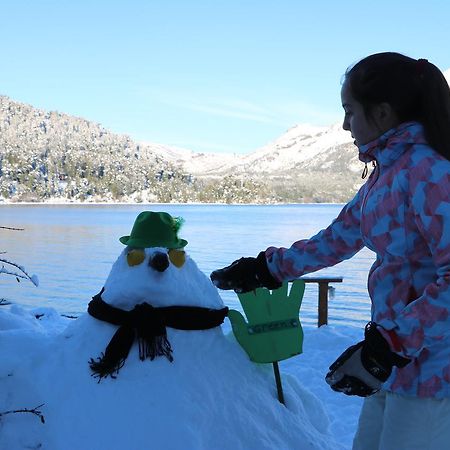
<point>363,368</point>
<point>244,275</point>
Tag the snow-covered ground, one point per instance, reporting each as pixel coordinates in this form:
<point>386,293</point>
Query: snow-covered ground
<point>210,396</point>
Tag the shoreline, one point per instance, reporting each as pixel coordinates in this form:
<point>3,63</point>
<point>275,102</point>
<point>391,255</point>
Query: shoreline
<point>72,203</point>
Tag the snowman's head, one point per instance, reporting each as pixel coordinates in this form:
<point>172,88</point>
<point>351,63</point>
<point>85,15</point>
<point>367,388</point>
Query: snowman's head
<point>159,276</point>
<point>155,268</point>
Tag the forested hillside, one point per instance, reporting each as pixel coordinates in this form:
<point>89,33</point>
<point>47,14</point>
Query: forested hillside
<point>49,155</point>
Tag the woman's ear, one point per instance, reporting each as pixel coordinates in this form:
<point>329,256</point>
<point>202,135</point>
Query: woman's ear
<point>385,117</point>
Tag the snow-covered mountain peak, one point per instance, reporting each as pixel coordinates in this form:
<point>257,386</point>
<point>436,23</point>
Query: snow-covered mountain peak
<point>296,148</point>
<point>305,129</point>
<point>302,145</point>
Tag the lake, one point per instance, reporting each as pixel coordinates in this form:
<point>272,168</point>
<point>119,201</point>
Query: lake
<point>71,249</point>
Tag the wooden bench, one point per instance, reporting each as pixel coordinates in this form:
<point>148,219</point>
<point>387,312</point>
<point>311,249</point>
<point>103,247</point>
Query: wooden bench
<point>322,304</point>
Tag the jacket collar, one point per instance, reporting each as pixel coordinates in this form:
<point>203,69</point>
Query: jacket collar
<point>390,145</point>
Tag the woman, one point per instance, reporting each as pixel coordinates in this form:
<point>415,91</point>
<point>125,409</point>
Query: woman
<point>398,111</point>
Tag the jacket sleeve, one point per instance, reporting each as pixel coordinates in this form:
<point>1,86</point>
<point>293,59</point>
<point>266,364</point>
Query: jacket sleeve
<point>426,320</point>
<point>339,241</point>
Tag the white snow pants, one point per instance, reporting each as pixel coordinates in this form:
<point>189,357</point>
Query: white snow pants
<point>396,422</point>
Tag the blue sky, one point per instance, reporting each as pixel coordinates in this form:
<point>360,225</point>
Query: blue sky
<point>205,75</point>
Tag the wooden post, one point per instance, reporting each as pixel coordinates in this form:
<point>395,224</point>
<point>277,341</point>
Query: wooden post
<point>322,304</point>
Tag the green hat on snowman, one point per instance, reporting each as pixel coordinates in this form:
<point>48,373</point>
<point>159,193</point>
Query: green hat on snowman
<point>155,229</point>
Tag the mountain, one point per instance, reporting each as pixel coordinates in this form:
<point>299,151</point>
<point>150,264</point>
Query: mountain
<point>304,164</point>
<point>302,146</point>
<point>51,156</point>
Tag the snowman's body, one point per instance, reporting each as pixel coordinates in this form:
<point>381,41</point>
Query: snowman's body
<point>188,404</point>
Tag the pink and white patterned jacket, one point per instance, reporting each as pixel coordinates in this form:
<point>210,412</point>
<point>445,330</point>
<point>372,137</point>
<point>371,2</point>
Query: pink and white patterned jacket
<point>402,213</point>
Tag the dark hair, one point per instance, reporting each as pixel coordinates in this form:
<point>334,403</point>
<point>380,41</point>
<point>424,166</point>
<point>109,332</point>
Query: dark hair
<point>416,90</point>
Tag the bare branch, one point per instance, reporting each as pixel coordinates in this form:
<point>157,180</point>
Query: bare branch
<point>34,411</point>
<point>20,274</point>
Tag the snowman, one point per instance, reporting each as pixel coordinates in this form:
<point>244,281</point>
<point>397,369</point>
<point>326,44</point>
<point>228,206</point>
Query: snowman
<point>149,367</point>
<point>152,285</point>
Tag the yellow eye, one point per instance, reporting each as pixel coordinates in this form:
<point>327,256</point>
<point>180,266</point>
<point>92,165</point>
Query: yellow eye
<point>177,257</point>
<point>135,256</point>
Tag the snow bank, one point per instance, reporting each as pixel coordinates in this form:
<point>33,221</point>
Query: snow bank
<point>210,396</point>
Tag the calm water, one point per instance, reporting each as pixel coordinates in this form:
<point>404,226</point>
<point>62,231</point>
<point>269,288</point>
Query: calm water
<point>71,249</point>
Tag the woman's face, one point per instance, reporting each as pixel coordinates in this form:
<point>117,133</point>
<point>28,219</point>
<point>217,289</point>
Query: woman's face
<point>355,120</point>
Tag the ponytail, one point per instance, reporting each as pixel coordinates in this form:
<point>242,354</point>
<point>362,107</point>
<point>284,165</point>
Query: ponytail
<point>416,90</point>
<point>436,108</point>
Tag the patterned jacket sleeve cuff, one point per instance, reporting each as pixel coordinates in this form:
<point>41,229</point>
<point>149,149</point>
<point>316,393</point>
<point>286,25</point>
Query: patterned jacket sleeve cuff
<point>392,339</point>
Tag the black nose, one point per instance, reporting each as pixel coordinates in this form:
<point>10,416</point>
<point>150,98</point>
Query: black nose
<point>159,261</point>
